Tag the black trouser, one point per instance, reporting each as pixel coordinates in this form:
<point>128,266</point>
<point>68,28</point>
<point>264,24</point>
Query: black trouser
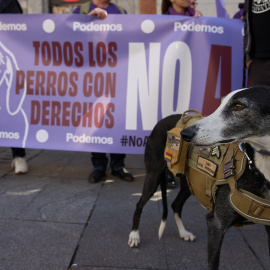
<point>18,152</point>
<point>259,71</point>
<point>100,161</point>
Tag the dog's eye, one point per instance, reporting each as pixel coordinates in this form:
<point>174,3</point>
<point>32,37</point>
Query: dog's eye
<point>238,107</point>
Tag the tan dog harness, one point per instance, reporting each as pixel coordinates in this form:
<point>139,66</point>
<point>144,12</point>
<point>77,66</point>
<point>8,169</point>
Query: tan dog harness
<point>208,167</point>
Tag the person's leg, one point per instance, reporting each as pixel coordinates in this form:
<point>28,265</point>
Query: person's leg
<point>118,167</point>
<point>19,162</point>
<point>100,162</point>
<point>117,161</point>
<point>18,152</point>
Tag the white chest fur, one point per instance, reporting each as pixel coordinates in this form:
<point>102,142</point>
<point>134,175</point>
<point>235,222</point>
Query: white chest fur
<point>262,163</point>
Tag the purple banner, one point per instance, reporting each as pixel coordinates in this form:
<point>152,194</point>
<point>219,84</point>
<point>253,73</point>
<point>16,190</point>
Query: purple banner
<point>73,82</point>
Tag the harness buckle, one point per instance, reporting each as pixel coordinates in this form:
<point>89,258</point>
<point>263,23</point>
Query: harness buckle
<point>250,162</point>
<point>228,169</point>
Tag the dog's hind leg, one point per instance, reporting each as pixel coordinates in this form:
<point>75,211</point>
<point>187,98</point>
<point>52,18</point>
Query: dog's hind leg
<point>177,207</point>
<point>155,167</point>
<point>150,187</point>
<point>163,185</point>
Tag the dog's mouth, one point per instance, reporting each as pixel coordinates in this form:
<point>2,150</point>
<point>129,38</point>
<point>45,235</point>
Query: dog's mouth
<point>226,141</point>
<point>214,144</point>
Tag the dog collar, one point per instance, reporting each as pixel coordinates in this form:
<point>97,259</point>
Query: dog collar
<point>251,165</point>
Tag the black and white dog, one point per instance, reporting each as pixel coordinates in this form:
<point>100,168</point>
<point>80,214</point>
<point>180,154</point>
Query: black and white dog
<point>244,115</point>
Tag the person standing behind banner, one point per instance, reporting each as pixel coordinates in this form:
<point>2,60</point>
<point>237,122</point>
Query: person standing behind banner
<point>257,41</point>
<point>19,162</point>
<point>240,12</point>
<point>99,160</point>
<point>178,7</point>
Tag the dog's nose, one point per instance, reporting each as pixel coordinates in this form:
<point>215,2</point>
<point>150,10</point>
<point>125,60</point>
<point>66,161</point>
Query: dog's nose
<point>187,134</point>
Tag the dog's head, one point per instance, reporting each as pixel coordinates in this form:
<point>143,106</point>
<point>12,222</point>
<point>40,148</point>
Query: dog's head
<point>5,66</point>
<point>244,115</point>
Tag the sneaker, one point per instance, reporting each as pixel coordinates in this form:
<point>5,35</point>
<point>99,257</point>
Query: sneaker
<point>96,176</point>
<point>20,165</point>
<point>123,174</point>
<point>169,179</point>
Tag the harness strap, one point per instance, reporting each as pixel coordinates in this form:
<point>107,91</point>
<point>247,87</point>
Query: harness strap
<point>208,191</point>
<point>248,205</point>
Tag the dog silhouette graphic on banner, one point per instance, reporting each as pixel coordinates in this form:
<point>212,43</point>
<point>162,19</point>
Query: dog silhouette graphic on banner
<point>14,123</point>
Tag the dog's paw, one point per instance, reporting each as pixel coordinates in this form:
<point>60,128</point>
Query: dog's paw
<point>134,239</point>
<point>187,236</point>
<point>184,234</point>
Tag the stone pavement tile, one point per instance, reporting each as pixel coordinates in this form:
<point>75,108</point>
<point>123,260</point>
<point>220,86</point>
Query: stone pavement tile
<point>256,238</point>
<point>65,163</point>
<point>54,189</point>
<point>104,242</point>
<point>17,192</point>
<point>37,245</point>
<point>71,164</point>
<point>236,254</point>
<point>63,200</point>
<point>135,161</point>
<point>81,267</point>
<point>5,160</point>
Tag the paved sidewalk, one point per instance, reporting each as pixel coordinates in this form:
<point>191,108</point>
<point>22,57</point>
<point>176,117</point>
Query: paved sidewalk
<point>52,219</point>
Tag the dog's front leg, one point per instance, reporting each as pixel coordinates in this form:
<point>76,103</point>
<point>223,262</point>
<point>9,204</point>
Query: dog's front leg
<point>268,234</point>
<point>218,223</point>
<point>219,220</point>
<point>215,239</point>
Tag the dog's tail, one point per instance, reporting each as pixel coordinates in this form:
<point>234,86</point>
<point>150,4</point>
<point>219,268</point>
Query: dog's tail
<point>165,208</point>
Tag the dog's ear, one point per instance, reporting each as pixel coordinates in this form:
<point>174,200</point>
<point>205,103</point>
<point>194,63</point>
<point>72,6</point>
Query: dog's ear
<point>13,101</point>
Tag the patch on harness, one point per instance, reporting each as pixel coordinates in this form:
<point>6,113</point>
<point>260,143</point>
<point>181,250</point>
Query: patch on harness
<point>216,152</point>
<point>174,141</point>
<point>168,157</point>
<point>207,166</point>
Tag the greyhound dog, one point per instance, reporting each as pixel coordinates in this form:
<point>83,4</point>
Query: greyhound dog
<point>244,116</point>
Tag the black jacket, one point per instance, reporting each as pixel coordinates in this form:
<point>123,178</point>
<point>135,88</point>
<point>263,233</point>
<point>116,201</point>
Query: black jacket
<point>10,6</point>
<point>247,36</point>
<point>257,27</point>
